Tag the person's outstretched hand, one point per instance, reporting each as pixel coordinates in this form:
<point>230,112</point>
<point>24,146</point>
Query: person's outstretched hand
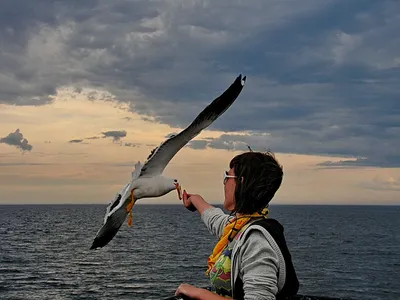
<point>194,202</point>
<point>187,201</point>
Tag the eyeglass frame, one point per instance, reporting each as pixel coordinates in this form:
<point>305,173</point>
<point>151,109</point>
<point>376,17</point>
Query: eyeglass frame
<point>226,177</point>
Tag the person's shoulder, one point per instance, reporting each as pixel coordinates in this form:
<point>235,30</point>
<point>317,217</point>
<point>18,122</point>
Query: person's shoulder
<point>264,229</point>
<point>253,231</point>
<point>257,241</point>
<point>270,224</point>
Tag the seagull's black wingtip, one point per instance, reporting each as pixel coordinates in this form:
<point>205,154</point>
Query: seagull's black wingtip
<point>241,78</point>
<point>96,244</point>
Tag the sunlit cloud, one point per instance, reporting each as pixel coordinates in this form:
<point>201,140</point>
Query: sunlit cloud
<point>383,183</point>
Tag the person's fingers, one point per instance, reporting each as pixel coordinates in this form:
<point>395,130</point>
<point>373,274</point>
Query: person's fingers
<point>185,195</point>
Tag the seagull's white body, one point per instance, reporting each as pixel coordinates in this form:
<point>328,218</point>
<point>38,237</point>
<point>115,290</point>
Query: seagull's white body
<point>145,187</point>
<point>147,180</point>
<point>152,187</point>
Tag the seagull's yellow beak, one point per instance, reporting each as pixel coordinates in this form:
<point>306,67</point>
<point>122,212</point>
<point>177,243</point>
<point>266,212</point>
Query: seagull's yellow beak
<point>179,190</point>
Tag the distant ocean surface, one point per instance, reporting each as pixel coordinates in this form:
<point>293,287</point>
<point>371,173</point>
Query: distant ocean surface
<point>338,251</point>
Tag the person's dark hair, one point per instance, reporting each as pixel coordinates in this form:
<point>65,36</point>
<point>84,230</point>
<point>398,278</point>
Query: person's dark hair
<point>262,177</point>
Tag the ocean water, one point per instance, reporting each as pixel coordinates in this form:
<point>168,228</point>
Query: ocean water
<point>338,251</point>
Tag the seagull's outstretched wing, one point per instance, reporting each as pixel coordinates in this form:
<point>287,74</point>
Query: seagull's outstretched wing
<point>160,156</point>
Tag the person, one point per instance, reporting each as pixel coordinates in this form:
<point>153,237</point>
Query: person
<point>251,259</point>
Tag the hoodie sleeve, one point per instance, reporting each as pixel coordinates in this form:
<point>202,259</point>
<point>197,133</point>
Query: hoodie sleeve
<point>215,220</point>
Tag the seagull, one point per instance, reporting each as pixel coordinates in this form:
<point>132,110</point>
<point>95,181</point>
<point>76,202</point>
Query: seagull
<point>147,180</point>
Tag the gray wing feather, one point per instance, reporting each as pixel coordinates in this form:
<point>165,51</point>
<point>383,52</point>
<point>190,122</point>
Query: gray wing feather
<point>160,156</point>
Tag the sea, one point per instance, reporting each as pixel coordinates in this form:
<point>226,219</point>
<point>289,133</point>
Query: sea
<point>338,251</point>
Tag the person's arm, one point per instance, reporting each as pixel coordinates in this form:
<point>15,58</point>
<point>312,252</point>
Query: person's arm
<point>259,268</point>
<point>197,293</point>
<point>190,200</point>
<point>214,218</point>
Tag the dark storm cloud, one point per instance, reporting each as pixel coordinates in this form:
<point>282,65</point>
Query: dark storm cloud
<point>17,139</point>
<point>116,135</point>
<point>323,76</point>
<point>77,141</point>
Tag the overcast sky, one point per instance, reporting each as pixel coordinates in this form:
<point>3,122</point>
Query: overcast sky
<point>88,88</point>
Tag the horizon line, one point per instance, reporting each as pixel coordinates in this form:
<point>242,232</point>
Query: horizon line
<point>176,204</point>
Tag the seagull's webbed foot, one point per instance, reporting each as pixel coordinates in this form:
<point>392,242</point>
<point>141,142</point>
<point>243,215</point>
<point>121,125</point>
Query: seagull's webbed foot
<point>129,209</point>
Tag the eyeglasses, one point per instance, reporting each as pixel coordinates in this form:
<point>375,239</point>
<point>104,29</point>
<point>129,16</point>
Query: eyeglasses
<point>226,177</point>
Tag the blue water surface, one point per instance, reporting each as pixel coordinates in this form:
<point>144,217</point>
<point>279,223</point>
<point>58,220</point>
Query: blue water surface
<point>338,251</point>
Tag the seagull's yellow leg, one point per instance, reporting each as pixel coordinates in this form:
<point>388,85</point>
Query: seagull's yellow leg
<point>130,219</point>
<point>129,209</point>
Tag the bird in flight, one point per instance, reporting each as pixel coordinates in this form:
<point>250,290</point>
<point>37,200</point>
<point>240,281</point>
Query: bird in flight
<point>147,179</point>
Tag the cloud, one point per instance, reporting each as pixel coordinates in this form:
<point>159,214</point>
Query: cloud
<point>76,141</point>
<point>322,75</point>
<point>198,144</point>
<point>115,134</point>
<point>234,142</point>
<point>374,161</point>
<point>362,162</point>
<point>125,48</point>
<point>17,139</point>
<point>345,44</point>
<point>385,183</point>
<point>322,143</point>
<point>147,119</point>
<point>131,145</point>
<point>346,163</point>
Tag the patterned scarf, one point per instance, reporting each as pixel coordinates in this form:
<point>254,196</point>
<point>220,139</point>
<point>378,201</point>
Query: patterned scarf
<point>230,231</point>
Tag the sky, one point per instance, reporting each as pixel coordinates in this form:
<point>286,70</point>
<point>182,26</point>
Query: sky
<point>88,88</point>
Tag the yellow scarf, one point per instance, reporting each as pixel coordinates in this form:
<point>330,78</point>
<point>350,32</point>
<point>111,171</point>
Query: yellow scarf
<point>230,231</point>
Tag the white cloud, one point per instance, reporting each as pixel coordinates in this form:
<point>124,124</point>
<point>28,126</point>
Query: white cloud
<point>346,43</point>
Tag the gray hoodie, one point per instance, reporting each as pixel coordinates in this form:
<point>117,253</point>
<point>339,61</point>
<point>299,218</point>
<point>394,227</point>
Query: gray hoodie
<point>256,258</point>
